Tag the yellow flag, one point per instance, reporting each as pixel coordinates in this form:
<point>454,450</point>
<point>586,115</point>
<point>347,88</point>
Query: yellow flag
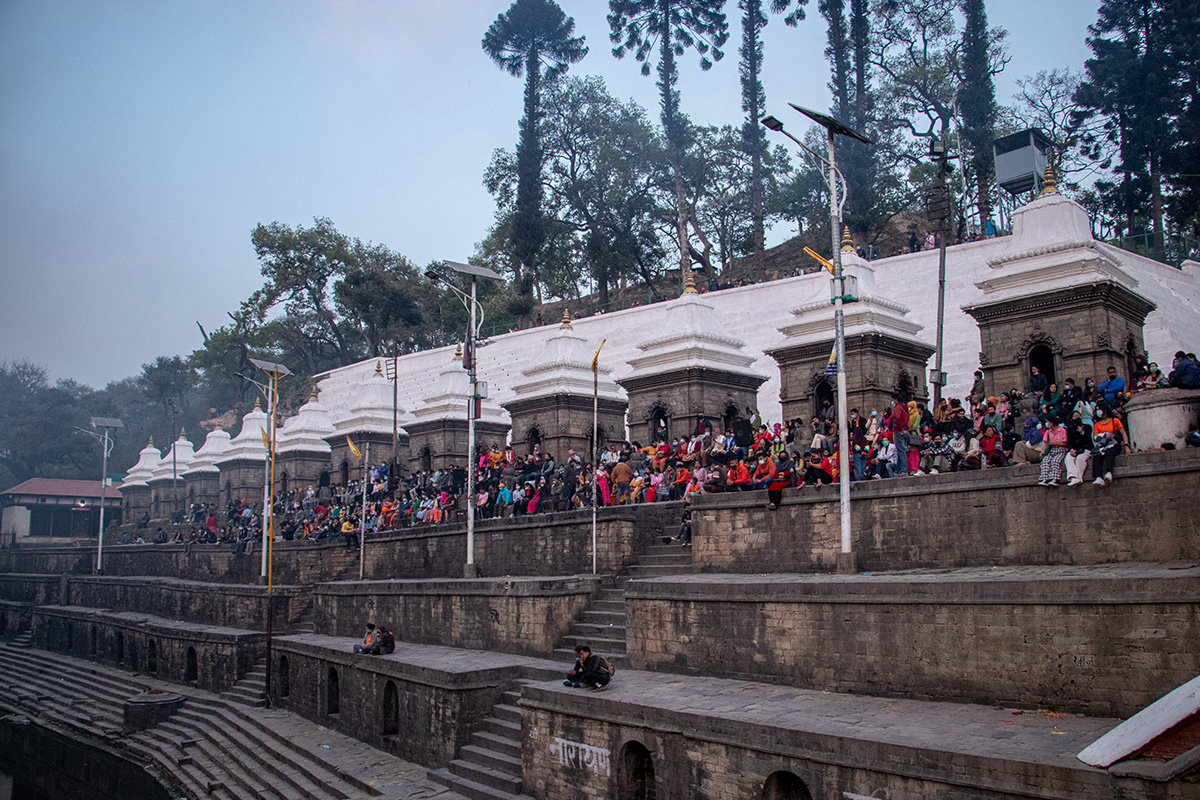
<point>596,358</point>
<point>266,439</point>
<point>353,449</point>
<point>824,262</point>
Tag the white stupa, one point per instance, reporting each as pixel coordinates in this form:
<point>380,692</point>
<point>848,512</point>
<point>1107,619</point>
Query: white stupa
<point>1051,248</point>
<point>448,397</point>
<point>215,446</point>
<point>307,430</point>
<point>143,470</point>
<point>873,313</point>
<point>248,444</point>
<point>176,460</point>
<point>689,335</point>
<point>565,368</point>
<point>371,411</point>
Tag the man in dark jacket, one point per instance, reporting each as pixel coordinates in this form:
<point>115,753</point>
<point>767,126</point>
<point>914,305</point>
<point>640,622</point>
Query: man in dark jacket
<point>1185,372</point>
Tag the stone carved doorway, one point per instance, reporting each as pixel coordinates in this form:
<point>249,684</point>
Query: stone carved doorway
<point>391,709</point>
<point>1042,357</point>
<point>635,773</point>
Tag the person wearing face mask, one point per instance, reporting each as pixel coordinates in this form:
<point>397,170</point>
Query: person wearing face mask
<point>1079,450</point>
<point>817,470</point>
<point>764,472</point>
<point>871,428</point>
<point>959,446</point>
<point>899,428</point>
<point>885,458</point>
<point>1031,447</point>
<point>1052,465</point>
<point>935,455</point>
<point>783,478</point>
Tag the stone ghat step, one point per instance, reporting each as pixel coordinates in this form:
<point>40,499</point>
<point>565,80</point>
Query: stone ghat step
<point>602,645</point>
<point>673,559</point>
<point>567,656</point>
<point>594,617</point>
<point>471,789</point>
<point>265,730</point>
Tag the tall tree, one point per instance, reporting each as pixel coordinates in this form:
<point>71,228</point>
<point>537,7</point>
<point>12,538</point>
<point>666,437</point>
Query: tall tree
<point>638,27</point>
<point>1136,81</point>
<point>977,103</point>
<point>299,265</point>
<point>531,35</point>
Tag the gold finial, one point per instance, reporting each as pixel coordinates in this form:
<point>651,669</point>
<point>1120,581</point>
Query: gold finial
<point>182,435</point>
<point>1049,185</point>
<point>690,286</point>
<point>566,321</point>
<point>257,407</point>
<point>151,442</point>
<point>847,245</point>
<point>378,370</point>
<point>312,396</point>
<point>458,352</point>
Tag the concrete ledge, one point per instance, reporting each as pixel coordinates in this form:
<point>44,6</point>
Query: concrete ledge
<point>735,734</point>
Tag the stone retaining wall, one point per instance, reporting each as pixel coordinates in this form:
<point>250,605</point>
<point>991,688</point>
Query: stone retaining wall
<point>1104,642</point>
<point>143,643</point>
<point>586,747</point>
<point>983,518</point>
<point>191,601</point>
<point>36,589</point>
<point>542,544</point>
<point>506,615</point>
<point>435,710</point>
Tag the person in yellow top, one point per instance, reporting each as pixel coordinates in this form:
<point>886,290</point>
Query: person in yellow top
<point>350,533</point>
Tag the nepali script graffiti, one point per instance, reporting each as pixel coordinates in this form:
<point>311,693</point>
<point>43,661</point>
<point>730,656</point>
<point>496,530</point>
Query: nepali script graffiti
<point>581,756</point>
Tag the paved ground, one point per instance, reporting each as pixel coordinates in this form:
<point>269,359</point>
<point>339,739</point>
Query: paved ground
<point>1023,736</point>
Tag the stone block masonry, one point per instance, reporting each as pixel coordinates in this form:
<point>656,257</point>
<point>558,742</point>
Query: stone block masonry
<point>1104,641</point>
<point>512,615</point>
<point>678,738</point>
<point>963,519</point>
<point>209,658</point>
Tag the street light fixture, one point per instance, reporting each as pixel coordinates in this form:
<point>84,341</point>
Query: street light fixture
<point>841,296</point>
<point>478,392</point>
<point>106,424</point>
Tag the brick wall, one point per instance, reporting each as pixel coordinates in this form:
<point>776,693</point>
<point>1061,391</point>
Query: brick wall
<point>514,616</point>
<point>992,517</point>
<point>1059,639</point>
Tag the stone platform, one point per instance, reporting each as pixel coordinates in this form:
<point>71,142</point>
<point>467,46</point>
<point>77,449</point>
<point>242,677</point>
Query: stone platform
<point>1104,640</point>
<point>709,737</point>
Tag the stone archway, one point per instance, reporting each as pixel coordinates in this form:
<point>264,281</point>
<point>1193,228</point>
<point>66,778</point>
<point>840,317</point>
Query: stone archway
<point>784,785</point>
<point>635,773</point>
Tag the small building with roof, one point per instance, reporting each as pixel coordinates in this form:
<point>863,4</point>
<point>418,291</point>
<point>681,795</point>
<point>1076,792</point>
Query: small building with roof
<point>46,508</point>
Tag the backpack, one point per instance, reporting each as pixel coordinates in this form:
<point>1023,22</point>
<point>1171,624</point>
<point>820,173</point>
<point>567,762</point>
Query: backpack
<point>606,667</point>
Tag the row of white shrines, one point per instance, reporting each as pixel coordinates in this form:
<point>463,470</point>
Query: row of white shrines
<point>1049,294</point>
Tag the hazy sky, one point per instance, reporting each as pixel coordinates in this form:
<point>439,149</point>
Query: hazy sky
<point>141,141</point>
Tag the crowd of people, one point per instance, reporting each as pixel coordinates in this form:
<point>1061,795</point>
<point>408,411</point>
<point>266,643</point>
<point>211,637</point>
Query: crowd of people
<point>1064,429</point>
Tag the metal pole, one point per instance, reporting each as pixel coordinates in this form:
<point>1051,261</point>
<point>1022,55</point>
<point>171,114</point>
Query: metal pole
<point>271,498</point>
<point>362,531</point>
<point>469,570</point>
<point>103,480</point>
<point>839,332</point>
<point>395,419</point>
<point>267,485</point>
<point>595,451</point>
<point>941,312</point>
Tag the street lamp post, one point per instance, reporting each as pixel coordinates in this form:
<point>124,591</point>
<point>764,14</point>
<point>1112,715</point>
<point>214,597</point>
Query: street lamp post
<point>827,163</point>
<point>106,424</point>
<point>274,372</point>
<point>469,352</point>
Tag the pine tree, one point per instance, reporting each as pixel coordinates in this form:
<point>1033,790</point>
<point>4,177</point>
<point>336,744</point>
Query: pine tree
<point>977,103</point>
<point>532,33</point>
<point>754,139</point>
<point>638,27</point>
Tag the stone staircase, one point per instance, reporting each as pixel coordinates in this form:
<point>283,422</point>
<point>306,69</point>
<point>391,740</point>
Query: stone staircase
<point>489,768</point>
<point>24,637</point>
<point>210,748</point>
<point>251,690</point>
<point>601,626</point>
